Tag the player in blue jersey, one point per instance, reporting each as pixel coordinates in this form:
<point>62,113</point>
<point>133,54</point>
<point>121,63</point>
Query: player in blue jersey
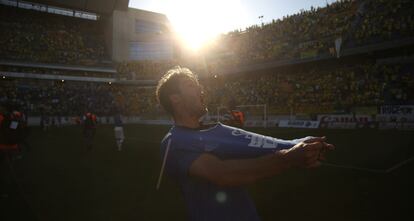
<point>212,165</point>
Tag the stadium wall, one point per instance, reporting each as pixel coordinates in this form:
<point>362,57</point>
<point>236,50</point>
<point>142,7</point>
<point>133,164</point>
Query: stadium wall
<point>108,32</point>
<point>388,117</point>
<point>73,120</point>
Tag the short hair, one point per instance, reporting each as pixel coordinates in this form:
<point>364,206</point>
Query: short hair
<point>169,84</point>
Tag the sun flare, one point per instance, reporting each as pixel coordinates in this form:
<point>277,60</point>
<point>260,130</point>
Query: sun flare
<point>197,22</point>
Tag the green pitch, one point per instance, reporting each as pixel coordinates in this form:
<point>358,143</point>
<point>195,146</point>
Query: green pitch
<point>60,180</point>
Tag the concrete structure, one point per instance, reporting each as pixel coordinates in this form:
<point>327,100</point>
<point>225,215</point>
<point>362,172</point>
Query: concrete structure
<point>136,34</point>
<point>103,7</point>
<point>130,34</point>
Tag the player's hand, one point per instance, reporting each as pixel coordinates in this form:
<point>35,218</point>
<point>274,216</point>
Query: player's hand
<point>326,146</point>
<point>306,154</point>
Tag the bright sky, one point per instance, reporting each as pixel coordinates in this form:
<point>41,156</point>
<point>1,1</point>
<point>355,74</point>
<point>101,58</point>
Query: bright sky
<point>198,21</point>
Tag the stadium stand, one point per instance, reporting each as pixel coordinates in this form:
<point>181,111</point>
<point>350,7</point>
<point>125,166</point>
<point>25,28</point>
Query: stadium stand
<point>315,90</point>
<point>308,34</point>
<point>232,70</point>
<point>313,33</point>
<point>383,21</point>
<point>57,98</point>
<point>307,91</point>
<point>33,36</point>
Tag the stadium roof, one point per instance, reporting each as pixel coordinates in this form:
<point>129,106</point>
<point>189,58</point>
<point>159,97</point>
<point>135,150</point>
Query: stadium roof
<point>96,6</point>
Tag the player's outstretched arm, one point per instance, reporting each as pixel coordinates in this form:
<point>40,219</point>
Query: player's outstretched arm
<point>245,171</point>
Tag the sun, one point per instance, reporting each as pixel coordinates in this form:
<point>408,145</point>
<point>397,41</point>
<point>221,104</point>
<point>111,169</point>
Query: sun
<point>197,22</point>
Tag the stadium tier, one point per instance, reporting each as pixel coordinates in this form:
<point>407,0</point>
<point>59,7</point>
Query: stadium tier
<point>68,98</point>
<point>323,31</point>
<point>318,90</point>
<point>33,36</point>
<point>343,28</point>
<point>310,91</point>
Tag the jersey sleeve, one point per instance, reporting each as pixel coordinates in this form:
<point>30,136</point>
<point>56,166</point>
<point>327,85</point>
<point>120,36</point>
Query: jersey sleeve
<point>287,144</point>
<point>233,143</point>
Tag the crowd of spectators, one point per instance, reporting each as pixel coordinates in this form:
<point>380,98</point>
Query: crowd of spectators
<point>384,20</point>
<point>315,90</point>
<point>301,35</point>
<point>314,32</point>
<point>56,98</point>
<point>32,36</point>
<point>307,90</point>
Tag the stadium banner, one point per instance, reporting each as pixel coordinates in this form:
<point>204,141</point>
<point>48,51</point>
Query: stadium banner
<point>345,118</point>
<point>394,118</point>
<point>298,124</point>
<point>387,125</point>
<point>52,121</point>
<point>134,120</point>
<point>261,123</point>
<point>272,123</point>
<point>339,125</point>
<point>395,113</point>
<point>346,121</point>
<point>396,125</point>
<point>155,122</point>
<point>254,123</point>
<point>397,109</point>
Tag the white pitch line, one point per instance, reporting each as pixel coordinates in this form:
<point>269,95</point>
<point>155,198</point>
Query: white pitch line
<point>398,165</point>
<point>353,168</point>
<point>389,170</point>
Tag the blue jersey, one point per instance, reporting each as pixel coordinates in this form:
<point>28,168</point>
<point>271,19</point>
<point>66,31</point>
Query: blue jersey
<point>204,200</point>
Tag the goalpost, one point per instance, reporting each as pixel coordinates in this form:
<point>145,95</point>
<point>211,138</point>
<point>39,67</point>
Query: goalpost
<point>253,113</point>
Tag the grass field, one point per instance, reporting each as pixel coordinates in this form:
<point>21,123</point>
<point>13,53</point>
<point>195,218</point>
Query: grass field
<point>59,180</point>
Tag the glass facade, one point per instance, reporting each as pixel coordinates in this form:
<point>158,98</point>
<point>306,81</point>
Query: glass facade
<point>159,50</point>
